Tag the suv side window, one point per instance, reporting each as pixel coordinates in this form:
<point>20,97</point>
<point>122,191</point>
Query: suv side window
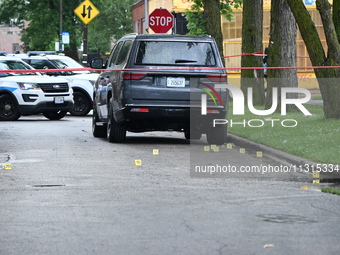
<point>40,64</point>
<point>114,54</point>
<point>124,53</point>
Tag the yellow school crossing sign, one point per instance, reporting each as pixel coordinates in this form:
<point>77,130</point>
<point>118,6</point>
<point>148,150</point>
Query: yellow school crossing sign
<point>86,11</point>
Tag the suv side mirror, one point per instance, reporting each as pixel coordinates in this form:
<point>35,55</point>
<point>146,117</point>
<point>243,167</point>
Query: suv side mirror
<point>97,63</point>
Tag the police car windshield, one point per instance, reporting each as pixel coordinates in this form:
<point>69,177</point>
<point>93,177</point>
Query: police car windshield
<point>68,64</point>
<point>14,65</point>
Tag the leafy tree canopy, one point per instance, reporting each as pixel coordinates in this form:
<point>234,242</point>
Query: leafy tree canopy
<point>196,16</point>
<point>113,21</point>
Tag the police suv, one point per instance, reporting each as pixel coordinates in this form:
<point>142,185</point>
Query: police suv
<point>81,81</point>
<point>27,93</point>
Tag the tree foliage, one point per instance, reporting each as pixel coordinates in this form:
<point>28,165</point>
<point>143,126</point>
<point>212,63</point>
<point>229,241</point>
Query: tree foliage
<point>43,30</point>
<point>113,21</point>
<point>207,20</point>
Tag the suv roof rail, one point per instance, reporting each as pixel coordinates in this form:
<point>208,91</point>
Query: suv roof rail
<point>40,53</point>
<point>131,34</point>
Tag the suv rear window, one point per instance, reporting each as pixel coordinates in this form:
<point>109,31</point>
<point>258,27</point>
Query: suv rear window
<point>175,53</point>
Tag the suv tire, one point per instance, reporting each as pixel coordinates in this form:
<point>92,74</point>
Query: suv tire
<point>82,104</point>
<point>9,108</point>
<point>116,132</point>
<point>97,131</point>
<point>217,135</point>
<point>55,115</point>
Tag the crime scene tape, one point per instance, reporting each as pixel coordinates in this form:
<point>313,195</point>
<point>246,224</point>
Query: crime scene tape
<point>167,69</point>
<point>258,54</point>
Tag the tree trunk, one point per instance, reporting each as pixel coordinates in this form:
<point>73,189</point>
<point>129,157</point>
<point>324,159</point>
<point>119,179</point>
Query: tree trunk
<point>281,52</point>
<point>252,30</point>
<point>327,78</point>
<point>213,17</point>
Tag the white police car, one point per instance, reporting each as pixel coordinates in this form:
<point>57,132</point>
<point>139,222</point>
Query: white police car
<point>27,93</point>
<point>81,81</point>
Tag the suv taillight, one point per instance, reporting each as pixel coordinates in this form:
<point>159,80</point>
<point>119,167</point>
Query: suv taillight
<point>133,76</point>
<point>217,78</point>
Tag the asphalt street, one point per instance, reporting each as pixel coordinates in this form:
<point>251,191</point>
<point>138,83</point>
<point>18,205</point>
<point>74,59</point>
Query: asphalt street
<point>67,192</point>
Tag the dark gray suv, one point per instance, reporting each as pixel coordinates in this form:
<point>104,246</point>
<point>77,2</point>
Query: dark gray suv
<point>156,83</point>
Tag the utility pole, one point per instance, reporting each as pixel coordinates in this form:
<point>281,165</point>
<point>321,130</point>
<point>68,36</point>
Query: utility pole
<point>61,26</point>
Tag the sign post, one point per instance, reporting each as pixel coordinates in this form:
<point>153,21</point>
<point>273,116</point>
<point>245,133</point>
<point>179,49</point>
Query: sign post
<point>86,11</point>
<point>161,20</point>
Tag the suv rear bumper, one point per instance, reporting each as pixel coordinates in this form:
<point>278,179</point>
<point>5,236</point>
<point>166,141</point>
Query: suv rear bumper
<point>45,107</point>
<point>146,117</point>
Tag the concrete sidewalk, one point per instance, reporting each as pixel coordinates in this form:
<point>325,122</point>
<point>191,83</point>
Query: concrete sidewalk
<point>315,102</point>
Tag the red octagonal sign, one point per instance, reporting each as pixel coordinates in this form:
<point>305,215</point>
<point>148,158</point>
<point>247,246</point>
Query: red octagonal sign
<point>161,20</point>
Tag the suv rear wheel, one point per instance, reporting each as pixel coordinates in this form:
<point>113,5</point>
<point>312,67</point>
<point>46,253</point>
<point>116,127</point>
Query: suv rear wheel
<point>82,104</point>
<point>217,135</point>
<point>9,108</point>
<point>116,132</point>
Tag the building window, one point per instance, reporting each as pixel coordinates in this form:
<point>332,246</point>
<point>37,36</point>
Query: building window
<point>15,47</point>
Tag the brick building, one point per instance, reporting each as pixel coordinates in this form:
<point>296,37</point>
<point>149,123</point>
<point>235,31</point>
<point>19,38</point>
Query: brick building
<point>10,37</point>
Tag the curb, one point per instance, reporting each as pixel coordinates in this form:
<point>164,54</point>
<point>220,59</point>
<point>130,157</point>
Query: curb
<point>280,156</point>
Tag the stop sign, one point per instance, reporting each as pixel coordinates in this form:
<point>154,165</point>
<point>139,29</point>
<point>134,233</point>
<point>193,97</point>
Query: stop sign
<point>161,20</point>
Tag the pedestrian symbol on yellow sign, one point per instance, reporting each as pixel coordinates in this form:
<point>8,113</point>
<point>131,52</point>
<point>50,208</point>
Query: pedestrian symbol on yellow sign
<point>86,11</point>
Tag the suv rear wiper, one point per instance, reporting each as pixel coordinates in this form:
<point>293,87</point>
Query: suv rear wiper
<point>185,61</point>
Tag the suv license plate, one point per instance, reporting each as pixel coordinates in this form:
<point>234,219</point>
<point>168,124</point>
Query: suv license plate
<point>178,82</point>
<point>59,100</point>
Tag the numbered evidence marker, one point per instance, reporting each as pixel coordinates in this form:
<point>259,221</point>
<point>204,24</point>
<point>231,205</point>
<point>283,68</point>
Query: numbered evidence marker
<point>259,154</point>
<point>8,166</point>
<point>229,145</point>
<point>138,162</point>
<point>216,149</point>
<point>155,152</point>
<point>316,174</point>
<point>242,150</point>
<point>206,148</point>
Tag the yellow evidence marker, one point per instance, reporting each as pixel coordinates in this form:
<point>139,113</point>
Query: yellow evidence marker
<point>138,162</point>
<point>229,145</point>
<point>8,166</point>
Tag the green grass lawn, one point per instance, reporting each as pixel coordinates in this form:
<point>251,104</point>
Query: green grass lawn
<point>314,138</point>
<point>332,191</point>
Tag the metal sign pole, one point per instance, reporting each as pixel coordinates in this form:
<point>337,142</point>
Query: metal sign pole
<point>84,61</point>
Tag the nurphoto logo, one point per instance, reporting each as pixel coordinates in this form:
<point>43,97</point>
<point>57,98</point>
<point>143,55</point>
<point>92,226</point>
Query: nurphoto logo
<point>238,106</point>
